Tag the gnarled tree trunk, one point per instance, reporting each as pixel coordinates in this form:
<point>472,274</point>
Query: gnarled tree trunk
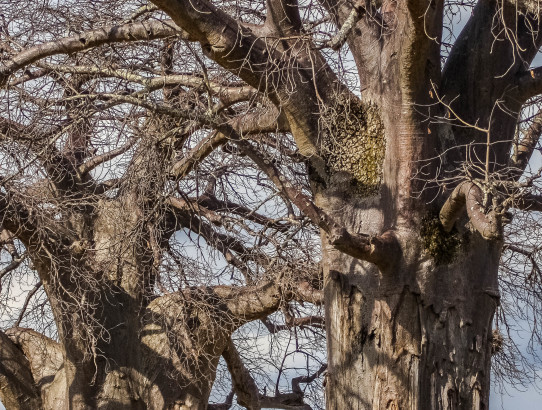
<point>411,182</point>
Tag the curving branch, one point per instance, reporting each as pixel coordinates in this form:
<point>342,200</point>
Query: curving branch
<point>524,149</point>
<point>45,357</point>
<point>197,154</point>
<point>17,387</point>
<point>223,38</point>
<point>470,196</point>
<point>381,250</point>
<point>243,383</point>
<point>148,30</point>
<point>96,161</point>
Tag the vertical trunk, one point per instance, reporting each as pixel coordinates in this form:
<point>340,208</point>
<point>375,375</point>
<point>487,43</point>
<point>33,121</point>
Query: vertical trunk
<point>416,334</point>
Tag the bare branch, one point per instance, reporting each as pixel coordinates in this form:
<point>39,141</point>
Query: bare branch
<point>93,162</point>
<point>17,387</point>
<point>197,154</point>
<point>147,30</point>
<point>26,302</point>
<point>524,149</point>
<point>243,384</point>
<point>470,196</point>
<point>13,265</point>
<point>358,11</point>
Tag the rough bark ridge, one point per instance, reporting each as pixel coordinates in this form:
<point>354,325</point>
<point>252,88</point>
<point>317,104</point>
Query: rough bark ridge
<point>410,188</point>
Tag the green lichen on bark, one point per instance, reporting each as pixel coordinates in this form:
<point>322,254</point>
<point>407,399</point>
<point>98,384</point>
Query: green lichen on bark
<point>441,245</point>
<point>353,142</point>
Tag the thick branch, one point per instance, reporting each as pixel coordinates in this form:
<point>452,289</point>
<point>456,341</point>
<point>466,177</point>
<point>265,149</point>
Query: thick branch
<point>16,218</point>
<point>283,17</point>
<point>223,38</point>
<point>44,355</point>
<point>529,83</point>
<point>17,386</point>
<point>197,154</point>
<point>147,30</point>
<point>243,384</point>
<point>470,196</point>
<point>525,148</point>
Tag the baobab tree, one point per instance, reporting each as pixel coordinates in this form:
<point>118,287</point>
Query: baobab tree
<point>174,171</point>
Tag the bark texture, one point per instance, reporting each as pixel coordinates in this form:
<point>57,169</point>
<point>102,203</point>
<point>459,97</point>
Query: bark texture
<point>409,187</point>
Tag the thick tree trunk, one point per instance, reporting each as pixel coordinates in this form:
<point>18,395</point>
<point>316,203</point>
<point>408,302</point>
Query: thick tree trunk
<point>415,334</point>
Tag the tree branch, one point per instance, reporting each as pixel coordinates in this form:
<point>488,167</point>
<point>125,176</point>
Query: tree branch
<point>524,149</point>
<point>186,218</point>
<point>44,354</point>
<point>243,383</point>
<point>529,83</point>
<point>17,387</point>
<point>93,162</point>
<point>380,250</point>
<point>26,302</point>
<point>224,39</point>
<point>147,30</point>
<point>470,196</point>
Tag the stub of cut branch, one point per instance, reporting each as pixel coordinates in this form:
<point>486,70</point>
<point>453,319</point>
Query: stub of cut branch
<point>468,195</point>
<point>381,250</point>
